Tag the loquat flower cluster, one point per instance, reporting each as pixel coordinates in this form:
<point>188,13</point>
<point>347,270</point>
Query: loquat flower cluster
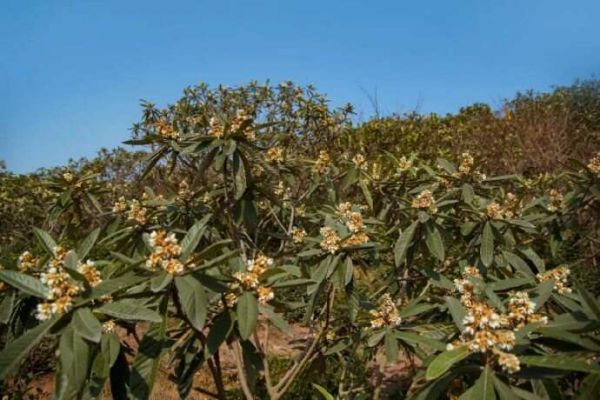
<point>322,163</point>
<point>61,287</point>
<point>488,331</point>
<point>27,262</point>
<point>134,209</point>
<point>555,200</point>
<point>559,276</point>
<point>275,154</point>
<point>250,280</point>
<point>166,130</point>
<point>594,164</point>
<point>386,314</point>
<point>165,253</point>
<point>425,201</point>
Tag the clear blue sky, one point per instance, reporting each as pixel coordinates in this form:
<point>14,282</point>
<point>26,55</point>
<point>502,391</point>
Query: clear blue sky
<point>72,72</point>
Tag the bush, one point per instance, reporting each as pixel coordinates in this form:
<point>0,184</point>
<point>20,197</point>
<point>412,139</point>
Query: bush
<point>262,211</point>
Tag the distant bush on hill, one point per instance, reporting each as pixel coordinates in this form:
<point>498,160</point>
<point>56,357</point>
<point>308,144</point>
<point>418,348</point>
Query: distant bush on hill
<point>531,133</point>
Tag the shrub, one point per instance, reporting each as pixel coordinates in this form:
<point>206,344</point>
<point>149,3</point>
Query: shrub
<point>262,212</point>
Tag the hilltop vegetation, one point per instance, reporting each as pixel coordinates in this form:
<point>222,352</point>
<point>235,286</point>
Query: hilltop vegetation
<point>464,247</point>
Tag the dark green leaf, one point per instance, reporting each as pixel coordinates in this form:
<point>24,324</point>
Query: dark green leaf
<point>74,364</point>
<point>247,314</point>
<point>517,263</point>
<point>219,331</point>
<point>456,310</point>
<point>412,337</point>
<point>434,241</point>
<point>87,244</point>
<point>444,361</point>
<point>192,297</point>
<point>147,360</point>
<point>25,283</point>
<point>113,285</point>
<point>403,243</point>
<point>128,309</point>
<point>326,395</point>
<point>487,245</point>
<point>86,325</point>
<point>560,362</point>
<point>192,237</point>
<point>588,301</point>
<point>160,281</point>
<point>45,240</point>
<point>484,386</point>
<point>391,346</point>
<point>6,306</point>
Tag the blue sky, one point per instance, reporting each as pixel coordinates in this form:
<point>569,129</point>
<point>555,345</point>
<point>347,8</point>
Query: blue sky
<point>72,72</point>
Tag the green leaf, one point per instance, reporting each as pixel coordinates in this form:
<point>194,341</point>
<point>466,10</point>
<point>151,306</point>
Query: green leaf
<point>403,242</point>
<point>366,193</point>
<point>350,178</point>
<point>442,363</point>
<point>293,283</point>
<point>192,297</point>
<point>412,337</point>
<point>517,263</point>
<point>86,325</point>
<point>17,350</point>
<point>216,260</point>
<point>588,301</point>
<point>6,307</point>
<point>25,283</point>
<point>74,363</point>
<point>375,338</point>
<point>147,360</point>
<point>484,386</point>
<point>510,283</point>
<point>436,278</point>
<point>247,314</point>
<point>468,193</point>
<point>563,362</point>
<point>219,331</point>
<point>544,291</point>
<point>391,346</point>
<point>326,395</point>
<point>446,165</point>
<point>456,310</point>
<point>87,244</point>
<point>128,309</point>
<point>45,240</point>
<point>160,281</point>
<point>348,271</point>
<point>119,377</point>
<point>102,364</point>
<point>566,336</point>
<point>71,261</point>
<point>192,237</point>
<point>535,259</point>
<point>110,286</point>
<point>433,240</point>
<point>153,160</point>
<point>487,245</point>
<point>504,391</point>
<point>110,347</point>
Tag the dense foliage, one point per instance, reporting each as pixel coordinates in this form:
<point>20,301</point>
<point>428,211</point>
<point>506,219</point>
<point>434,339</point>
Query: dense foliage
<point>259,208</point>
